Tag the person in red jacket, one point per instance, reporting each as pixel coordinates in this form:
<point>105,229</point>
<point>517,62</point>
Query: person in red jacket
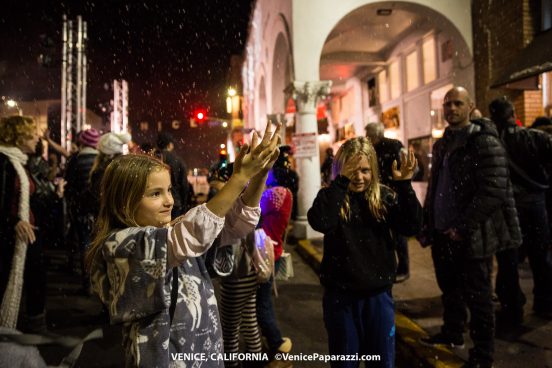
<point>276,205</point>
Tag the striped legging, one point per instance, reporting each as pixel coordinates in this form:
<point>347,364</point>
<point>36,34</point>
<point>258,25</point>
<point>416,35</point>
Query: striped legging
<point>238,312</point>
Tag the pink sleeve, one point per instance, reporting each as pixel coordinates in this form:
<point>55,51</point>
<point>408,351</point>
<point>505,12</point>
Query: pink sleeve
<point>240,221</point>
<point>193,234</point>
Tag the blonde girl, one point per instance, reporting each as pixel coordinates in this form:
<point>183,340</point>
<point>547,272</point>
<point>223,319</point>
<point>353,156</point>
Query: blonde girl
<point>355,214</point>
<point>147,270</point>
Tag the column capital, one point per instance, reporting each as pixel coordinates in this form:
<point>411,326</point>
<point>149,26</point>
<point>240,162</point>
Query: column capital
<point>307,94</point>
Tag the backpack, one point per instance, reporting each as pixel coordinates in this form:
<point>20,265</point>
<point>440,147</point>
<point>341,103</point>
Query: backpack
<point>254,253</point>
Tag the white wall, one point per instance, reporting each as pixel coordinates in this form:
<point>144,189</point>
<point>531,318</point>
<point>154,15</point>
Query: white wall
<point>313,20</point>
<point>310,21</point>
<point>269,20</point>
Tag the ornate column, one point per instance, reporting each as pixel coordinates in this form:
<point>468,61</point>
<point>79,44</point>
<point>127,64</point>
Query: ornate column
<point>306,95</point>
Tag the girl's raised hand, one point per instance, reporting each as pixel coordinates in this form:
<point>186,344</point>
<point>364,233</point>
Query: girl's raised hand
<point>408,165</point>
<point>260,155</point>
<point>350,167</point>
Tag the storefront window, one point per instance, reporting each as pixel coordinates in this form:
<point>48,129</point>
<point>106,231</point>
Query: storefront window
<point>428,53</point>
<point>382,85</point>
<point>438,123</point>
<point>412,74</point>
<point>395,79</point>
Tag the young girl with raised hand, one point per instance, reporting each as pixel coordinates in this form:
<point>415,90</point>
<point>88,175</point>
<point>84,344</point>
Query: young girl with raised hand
<point>147,270</point>
<point>355,214</point>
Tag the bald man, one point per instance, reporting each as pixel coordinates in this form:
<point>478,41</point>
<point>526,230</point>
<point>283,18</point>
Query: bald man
<point>469,215</point>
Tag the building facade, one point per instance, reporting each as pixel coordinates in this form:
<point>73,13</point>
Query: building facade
<point>341,65</point>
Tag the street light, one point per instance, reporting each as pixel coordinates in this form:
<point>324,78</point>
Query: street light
<point>12,104</point>
<point>229,99</point>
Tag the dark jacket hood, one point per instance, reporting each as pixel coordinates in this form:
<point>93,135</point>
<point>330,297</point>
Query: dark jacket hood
<point>486,126</point>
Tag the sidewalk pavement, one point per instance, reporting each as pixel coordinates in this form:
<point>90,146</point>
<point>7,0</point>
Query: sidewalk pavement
<point>419,311</point>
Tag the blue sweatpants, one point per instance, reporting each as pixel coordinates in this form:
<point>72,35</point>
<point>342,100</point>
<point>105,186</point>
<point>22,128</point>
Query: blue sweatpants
<point>363,325</point>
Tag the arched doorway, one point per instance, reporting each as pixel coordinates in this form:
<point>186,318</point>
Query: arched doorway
<point>261,120</point>
<point>387,60</point>
<point>281,73</point>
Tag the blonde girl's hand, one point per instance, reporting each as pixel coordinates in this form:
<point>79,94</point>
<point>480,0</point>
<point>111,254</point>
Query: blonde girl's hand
<point>350,167</point>
<point>25,231</point>
<point>408,165</point>
<point>252,159</point>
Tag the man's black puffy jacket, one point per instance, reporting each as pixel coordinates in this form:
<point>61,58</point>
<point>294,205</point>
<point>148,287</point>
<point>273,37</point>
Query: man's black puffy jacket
<point>482,189</point>
<point>531,151</point>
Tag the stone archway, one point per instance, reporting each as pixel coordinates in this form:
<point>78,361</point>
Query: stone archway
<point>261,120</point>
<point>311,29</point>
<point>281,73</point>
<point>379,38</point>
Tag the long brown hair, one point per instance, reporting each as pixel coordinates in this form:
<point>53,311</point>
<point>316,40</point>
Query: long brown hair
<point>123,185</point>
<point>350,149</point>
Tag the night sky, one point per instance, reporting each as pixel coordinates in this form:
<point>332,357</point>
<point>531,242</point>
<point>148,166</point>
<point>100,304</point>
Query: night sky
<point>175,55</point>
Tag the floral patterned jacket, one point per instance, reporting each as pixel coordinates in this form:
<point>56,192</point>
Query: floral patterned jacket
<point>155,283</point>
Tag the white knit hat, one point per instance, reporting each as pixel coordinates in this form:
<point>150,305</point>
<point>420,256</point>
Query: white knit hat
<point>112,143</point>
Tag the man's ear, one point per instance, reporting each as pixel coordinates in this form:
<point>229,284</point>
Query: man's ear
<point>472,107</point>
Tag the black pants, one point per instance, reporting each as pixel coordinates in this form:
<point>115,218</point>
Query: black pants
<point>507,289</point>
<point>403,263</point>
<point>465,282</point>
<point>34,284</point>
<point>533,220</point>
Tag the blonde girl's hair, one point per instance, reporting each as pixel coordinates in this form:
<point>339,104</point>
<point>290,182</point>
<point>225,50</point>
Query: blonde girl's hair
<point>348,150</point>
<point>123,185</point>
<point>14,130</point>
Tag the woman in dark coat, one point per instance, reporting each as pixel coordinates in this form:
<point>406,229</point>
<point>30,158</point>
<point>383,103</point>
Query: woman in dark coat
<point>18,137</point>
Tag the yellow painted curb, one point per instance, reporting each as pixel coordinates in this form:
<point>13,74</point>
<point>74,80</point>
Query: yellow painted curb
<point>409,332</point>
<point>310,250</point>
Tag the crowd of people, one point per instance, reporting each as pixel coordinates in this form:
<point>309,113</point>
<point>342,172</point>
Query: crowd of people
<point>114,200</point>
<point>151,256</point>
<point>488,196</point>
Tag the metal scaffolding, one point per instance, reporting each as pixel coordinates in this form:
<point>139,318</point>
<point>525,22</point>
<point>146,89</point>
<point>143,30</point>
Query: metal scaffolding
<point>119,116</point>
<point>73,79</point>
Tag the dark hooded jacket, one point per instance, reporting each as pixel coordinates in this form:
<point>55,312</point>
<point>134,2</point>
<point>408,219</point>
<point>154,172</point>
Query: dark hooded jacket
<point>530,153</point>
<point>482,191</point>
<point>359,253</point>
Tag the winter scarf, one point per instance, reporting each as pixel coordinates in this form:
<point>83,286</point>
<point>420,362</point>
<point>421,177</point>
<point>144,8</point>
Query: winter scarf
<point>12,296</point>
